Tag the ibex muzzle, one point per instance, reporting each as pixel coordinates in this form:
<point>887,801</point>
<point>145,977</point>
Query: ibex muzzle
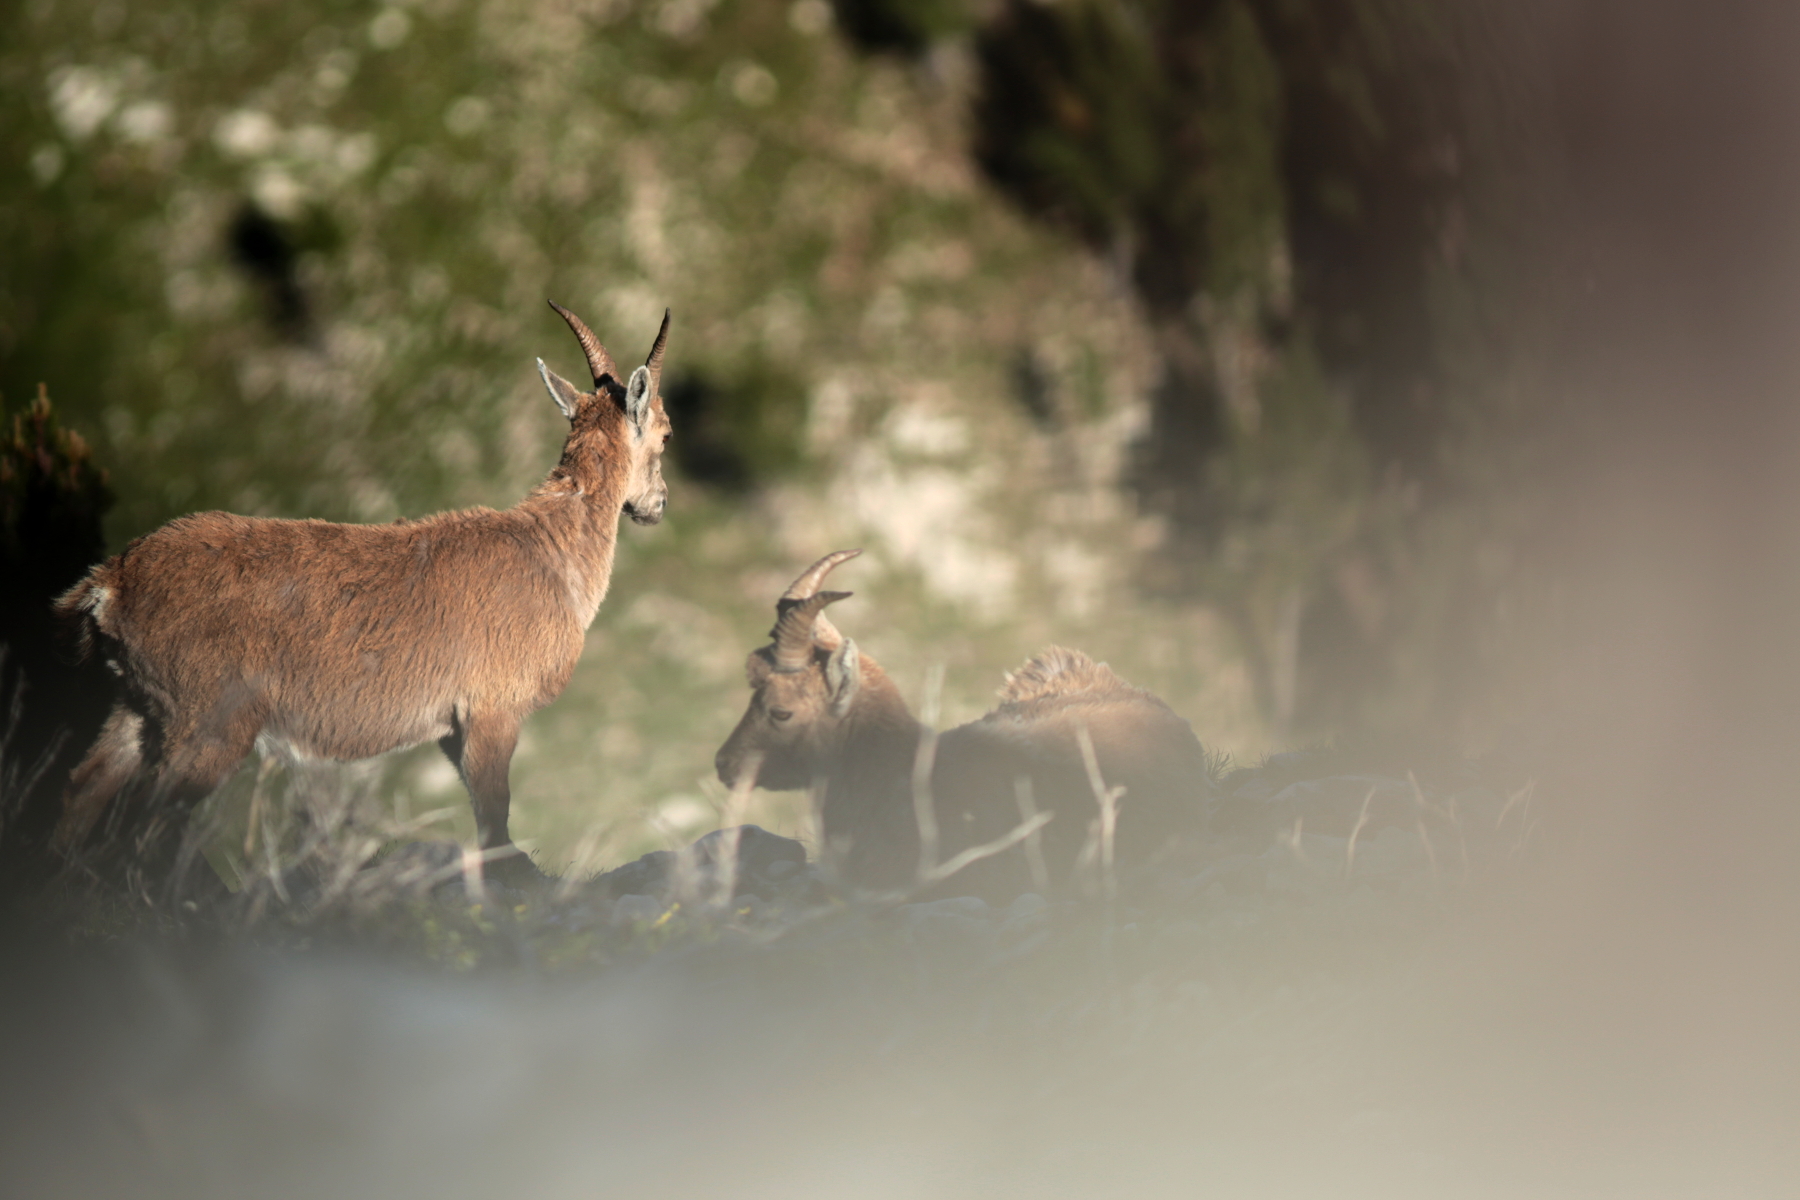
<point>348,641</point>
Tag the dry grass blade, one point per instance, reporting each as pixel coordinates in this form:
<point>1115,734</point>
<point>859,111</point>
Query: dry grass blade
<point>1108,800</point>
<point>587,856</point>
<point>974,854</point>
<point>1430,851</point>
<point>1292,839</point>
<point>474,882</point>
<point>1362,818</point>
<point>1448,812</point>
<point>15,781</point>
<point>1034,845</point>
<point>468,861</point>
<point>736,802</point>
<point>1520,797</point>
<point>924,760</point>
<point>264,769</point>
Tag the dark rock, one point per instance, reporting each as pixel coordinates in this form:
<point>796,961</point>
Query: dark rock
<point>647,876</point>
<point>768,866</point>
<point>1234,874</point>
<point>757,849</point>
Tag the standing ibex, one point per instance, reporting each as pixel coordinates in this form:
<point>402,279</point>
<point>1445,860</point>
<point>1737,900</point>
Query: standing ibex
<point>825,716</point>
<point>347,641</point>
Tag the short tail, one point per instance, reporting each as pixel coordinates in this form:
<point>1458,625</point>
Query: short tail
<point>83,610</point>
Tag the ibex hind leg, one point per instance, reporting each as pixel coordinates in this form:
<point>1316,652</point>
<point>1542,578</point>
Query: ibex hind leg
<point>194,762</point>
<point>116,755</point>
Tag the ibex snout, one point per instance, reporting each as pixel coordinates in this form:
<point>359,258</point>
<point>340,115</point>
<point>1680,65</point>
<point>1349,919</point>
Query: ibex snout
<point>740,762</point>
<point>725,763</point>
<point>649,511</point>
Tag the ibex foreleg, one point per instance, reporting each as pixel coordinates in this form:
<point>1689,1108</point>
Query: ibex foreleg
<point>482,749</point>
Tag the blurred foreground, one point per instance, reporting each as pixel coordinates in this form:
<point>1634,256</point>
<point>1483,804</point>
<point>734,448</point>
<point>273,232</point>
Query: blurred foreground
<point>1357,985</point>
<point>1260,1013</point>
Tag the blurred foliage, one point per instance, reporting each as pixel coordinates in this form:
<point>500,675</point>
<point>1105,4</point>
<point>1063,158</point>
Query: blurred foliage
<point>907,27</point>
<point>52,500</point>
<point>739,429</point>
<point>1296,162</point>
<point>1150,131</point>
<point>293,261</point>
<point>1285,185</point>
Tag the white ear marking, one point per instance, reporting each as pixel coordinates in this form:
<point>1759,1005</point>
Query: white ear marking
<point>637,397</point>
<point>566,394</point>
<point>843,675</point>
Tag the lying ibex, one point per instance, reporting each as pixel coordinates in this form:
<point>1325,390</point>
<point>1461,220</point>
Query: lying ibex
<point>347,641</point>
<point>826,717</point>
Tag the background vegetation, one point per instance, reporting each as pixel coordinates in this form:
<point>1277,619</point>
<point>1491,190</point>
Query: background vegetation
<point>1145,327</point>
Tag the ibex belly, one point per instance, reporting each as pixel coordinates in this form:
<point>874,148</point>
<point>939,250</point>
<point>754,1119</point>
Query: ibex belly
<point>313,735</point>
<point>378,711</point>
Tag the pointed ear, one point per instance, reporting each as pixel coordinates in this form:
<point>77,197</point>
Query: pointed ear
<point>566,394</point>
<point>637,397</point>
<point>843,675</point>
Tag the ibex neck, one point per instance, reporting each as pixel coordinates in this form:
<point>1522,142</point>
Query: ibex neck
<point>580,521</point>
<point>881,734</point>
<point>867,802</point>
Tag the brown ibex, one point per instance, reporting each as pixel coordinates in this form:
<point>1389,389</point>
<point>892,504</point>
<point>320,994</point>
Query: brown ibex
<point>825,716</point>
<point>348,641</point>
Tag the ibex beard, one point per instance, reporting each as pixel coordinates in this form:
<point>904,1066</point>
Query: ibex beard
<point>349,641</point>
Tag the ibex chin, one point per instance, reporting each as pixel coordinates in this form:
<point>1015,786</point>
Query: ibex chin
<point>348,641</point>
<point>825,716</point>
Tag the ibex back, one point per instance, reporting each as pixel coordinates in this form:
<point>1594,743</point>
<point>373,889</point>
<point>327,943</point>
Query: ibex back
<point>347,641</point>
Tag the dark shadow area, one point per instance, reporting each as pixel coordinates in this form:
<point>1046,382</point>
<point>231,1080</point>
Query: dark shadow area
<point>1034,386</point>
<point>52,500</point>
<point>269,252</point>
<point>1282,187</point>
<point>735,433</point>
<point>905,27</point>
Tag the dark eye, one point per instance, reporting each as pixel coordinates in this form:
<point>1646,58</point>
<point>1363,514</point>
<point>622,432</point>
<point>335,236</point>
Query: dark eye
<point>780,714</point>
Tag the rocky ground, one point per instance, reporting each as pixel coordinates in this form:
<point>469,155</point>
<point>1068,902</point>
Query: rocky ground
<point>1253,1013</point>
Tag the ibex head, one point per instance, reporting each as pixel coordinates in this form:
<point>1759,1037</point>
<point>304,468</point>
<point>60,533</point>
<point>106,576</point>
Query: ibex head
<point>804,683</point>
<point>595,420</point>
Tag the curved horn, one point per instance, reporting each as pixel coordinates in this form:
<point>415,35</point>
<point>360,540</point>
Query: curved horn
<point>793,632</point>
<point>803,588</point>
<point>813,576</point>
<point>654,362</point>
<point>600,363</point>
<point>825,633</point>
